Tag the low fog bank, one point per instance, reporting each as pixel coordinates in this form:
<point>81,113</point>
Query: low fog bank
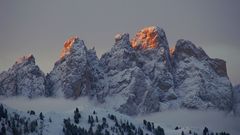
<point>44,104</point>
<point>216,121</point>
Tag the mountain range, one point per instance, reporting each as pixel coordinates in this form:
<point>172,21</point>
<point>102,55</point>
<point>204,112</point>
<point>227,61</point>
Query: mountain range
<point>139,75</point>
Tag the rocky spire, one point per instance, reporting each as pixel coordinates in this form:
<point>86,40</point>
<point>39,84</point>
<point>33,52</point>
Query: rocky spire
<point>72,43</point>
<point>150,37</point>
<point>122,42</point>
<point>75,73</point>
<point>185,48</point>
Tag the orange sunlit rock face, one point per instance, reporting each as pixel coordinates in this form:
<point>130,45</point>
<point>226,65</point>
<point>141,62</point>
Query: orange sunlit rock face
<point>146,38</point>
<point>67,46</point>
<point>171,50</point>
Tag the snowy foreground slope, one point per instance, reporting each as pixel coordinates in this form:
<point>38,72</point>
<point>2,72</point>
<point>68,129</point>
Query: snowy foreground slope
<point>60,117</point>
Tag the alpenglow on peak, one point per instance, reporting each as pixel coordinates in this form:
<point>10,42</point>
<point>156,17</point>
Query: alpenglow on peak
<point>149,37</point>
<point>68,45</point>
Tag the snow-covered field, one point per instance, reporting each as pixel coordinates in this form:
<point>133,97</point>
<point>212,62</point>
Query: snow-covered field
<point>60,108</point>
<point>192,119</point>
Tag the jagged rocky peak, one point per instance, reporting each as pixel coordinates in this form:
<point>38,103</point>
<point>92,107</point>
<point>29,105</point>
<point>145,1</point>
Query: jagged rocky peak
<point>76,73</point>
<point>149,37</point>
<point>72,43</point>
<point>152,42</point>
<point>185,48</point>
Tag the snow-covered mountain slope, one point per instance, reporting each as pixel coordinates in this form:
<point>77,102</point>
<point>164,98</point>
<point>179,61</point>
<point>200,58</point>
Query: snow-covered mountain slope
<point>92,119</point>
<point>201,82</point>
<point>143,75</point>
<point>24,78</point>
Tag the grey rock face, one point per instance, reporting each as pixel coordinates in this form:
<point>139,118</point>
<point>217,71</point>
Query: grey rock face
<point>24,78</point>
<point>140,96</point>
<point>77,73</point>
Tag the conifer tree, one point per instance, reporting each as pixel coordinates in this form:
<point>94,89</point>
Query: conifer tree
<point>41,116</point>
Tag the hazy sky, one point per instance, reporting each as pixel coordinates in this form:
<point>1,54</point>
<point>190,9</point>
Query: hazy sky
<point>40,27</point>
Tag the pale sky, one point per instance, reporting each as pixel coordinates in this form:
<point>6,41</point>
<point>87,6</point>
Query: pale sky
<point>40,27</point>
